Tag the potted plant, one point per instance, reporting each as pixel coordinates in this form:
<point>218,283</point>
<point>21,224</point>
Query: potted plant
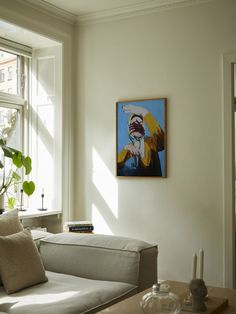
<point>11,162</point>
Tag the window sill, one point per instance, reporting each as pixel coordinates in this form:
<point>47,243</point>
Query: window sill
<point>34,213</point>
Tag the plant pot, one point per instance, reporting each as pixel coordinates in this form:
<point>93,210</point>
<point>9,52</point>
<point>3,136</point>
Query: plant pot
<point>2,203</point>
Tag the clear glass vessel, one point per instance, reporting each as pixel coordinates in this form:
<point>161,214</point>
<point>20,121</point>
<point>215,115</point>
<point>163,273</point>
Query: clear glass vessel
<point>160,301</point>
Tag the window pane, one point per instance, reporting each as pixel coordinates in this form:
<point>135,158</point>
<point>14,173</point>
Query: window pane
<point>10,126</point>
<point>10,130</point>
<point>8,73</point>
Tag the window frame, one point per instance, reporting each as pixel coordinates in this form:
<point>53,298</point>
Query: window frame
<point>20,100</point>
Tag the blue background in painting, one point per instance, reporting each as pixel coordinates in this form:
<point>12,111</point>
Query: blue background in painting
<point>155,107</point>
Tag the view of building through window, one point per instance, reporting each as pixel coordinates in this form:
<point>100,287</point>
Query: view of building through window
<point>8,73</point>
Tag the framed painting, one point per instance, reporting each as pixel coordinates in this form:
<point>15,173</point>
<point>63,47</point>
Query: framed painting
<point>141,138</point>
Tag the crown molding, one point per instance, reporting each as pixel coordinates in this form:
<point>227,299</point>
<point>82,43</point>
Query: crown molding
<point>143,8</point>
<point>146,7</point>
<point>50,9</point>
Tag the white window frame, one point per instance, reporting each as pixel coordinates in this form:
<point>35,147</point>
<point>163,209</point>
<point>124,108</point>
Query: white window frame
<point>20,100</point>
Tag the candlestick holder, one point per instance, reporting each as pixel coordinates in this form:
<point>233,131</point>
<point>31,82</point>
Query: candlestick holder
<point>42,208</point>
<point>198,290</point>
<point>21,209</point>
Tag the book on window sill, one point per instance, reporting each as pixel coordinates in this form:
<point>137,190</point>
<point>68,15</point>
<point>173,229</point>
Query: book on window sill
<point>80,228</point>
<point>78,223</point>
<point>84,232</point>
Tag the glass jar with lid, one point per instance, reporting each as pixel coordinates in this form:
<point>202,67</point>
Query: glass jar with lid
<point>160,301</point>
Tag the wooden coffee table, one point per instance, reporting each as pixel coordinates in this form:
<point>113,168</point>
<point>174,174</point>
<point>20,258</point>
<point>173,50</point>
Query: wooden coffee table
<point>131,305</point>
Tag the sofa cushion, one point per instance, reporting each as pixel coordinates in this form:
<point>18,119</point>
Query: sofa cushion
<point>96,256</point>
<point>9,223</point>
<point>20,263</point>
<point>65,294</point>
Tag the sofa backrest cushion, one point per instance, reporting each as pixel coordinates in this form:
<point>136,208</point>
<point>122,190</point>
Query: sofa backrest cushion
<point>101,257</point>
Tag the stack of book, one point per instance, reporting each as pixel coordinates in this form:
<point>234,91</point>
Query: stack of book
<point>79,226</point>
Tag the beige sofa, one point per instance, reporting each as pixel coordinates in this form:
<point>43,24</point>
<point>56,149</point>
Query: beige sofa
<point>86,273</point>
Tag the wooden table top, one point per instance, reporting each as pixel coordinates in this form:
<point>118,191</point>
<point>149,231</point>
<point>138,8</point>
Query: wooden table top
<point>131,305</point>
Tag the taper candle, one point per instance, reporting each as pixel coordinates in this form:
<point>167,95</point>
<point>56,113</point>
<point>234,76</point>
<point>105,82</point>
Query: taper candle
<point>201,263</point>
<point>194,266</point>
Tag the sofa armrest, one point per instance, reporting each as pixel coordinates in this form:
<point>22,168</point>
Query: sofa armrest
<point>101,257</point>
<point>37,235</point>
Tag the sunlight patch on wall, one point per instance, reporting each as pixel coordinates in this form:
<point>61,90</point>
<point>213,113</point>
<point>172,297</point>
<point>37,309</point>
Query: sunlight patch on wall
<point>42,145</point>
<point>105,182</point>
<point>100,225</point>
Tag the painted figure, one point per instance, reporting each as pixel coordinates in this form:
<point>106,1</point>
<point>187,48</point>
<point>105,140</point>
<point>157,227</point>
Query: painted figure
<point>142,149</point>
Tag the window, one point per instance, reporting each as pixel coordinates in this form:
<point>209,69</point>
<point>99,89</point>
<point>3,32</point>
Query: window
<point>30,115</point>
<point>12,102</point>
<point>12,98</point>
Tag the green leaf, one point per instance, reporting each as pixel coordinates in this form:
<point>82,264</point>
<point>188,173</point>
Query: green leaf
<point>28,187</point>
<point>8,152</point>
<point>16,176</point>
<point>2,142</point>
<point>27,164</point>
<point>1,164</point>
<point>17,159</point>
<point>11,202</point>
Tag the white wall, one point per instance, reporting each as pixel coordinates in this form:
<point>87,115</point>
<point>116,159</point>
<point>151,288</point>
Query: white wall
<point>174,54</point>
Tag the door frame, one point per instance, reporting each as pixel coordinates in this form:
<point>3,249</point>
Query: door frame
<point>228,172</point>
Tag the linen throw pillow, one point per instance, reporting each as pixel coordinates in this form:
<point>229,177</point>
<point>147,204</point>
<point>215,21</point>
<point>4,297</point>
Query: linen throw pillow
<point>10,223</point>
<point>20,263</point>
